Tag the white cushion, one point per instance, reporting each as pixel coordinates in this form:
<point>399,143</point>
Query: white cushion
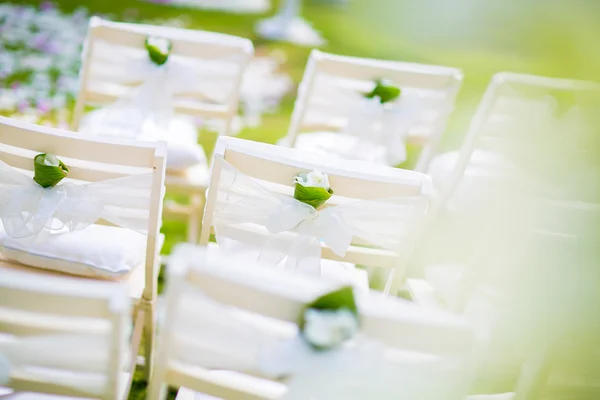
<point>340,271</point>
<point>97,251</point>
<point>341,145</point>
<point>183,150</point>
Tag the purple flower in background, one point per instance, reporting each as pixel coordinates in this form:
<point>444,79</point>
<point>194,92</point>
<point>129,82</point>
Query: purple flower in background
<point>44,106</point>
<point>22,105</point>
<point>46,6</point>
<point>15,85</point>
<point>45,44</point>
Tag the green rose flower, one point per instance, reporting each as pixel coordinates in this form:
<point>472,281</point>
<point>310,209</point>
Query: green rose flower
<point>158,49</point>
<point>48,170</point>
<point>312,188</point>
<point>385,90</point>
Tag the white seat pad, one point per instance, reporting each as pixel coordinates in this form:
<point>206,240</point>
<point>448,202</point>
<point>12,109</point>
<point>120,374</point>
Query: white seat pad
<point>195,178</point>
<point>340,271</point>
<point>183,150</point>
<point>96,252</point>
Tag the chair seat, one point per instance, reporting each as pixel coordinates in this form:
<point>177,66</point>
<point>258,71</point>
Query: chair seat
<point>135,281</point>
<point>339,271</point>
<point>343,146</point>
<point>195,179</point>
<point>181,135</point>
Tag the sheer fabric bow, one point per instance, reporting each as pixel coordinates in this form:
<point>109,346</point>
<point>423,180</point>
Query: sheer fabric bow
<point>382,125</point>
<point>30,212</point>
<point>296,230</point>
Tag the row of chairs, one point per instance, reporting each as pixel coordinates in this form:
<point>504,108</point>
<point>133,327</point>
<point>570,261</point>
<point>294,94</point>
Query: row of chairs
<point>94,159</point>
<point>71,338</point>
<point>323,108</point>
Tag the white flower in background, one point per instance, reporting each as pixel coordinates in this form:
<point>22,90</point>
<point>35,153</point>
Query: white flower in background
<point>329,328</point>
<point>8,100</point>
<point>313,179</point>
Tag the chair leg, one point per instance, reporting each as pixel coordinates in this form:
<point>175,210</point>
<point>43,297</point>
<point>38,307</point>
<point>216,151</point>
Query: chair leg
<point>534,374</point>
<point>157,389</point>
<point>149,336</point>
<point>197,208</point>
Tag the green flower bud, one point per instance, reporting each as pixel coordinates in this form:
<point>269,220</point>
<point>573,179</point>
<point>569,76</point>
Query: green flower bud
<point>312,188</point>
<point>48,170</point>
<point>385,90</point>
<point>158,49</point>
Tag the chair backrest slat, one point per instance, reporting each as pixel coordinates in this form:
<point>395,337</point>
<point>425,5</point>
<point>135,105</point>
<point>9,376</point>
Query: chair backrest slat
<point>62,143</point>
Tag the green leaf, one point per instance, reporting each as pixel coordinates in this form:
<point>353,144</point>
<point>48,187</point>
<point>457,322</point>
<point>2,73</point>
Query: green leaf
<point>48,175</point>
<point>385,90</point>
<point>159,49</point>
<point>336,300</point>
<point>313,196</point>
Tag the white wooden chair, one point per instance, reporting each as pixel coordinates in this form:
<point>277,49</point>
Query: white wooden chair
<point>499,149</point>
<point>331,83</point>
<point>262,304</point>
<point>219,61</point>
<point>96,159</point>
<point>510,98</point>
<point>64,337</point>
<point>274,168</point>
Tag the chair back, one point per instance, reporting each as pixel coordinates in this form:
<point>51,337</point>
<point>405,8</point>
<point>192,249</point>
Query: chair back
<point>258,306</point>
<point>63,336</point>
<point>95,160</point>
<point>111,47</point>
<point>274,168</point>
<point>331,80</point>
<point>508,127</point>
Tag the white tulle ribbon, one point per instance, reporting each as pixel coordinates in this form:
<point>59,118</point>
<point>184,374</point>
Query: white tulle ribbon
<point>218,337</point>
<point>296,230</point>
<point>30,212</point>
<point>149,107</point>
<point>385,124</point>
